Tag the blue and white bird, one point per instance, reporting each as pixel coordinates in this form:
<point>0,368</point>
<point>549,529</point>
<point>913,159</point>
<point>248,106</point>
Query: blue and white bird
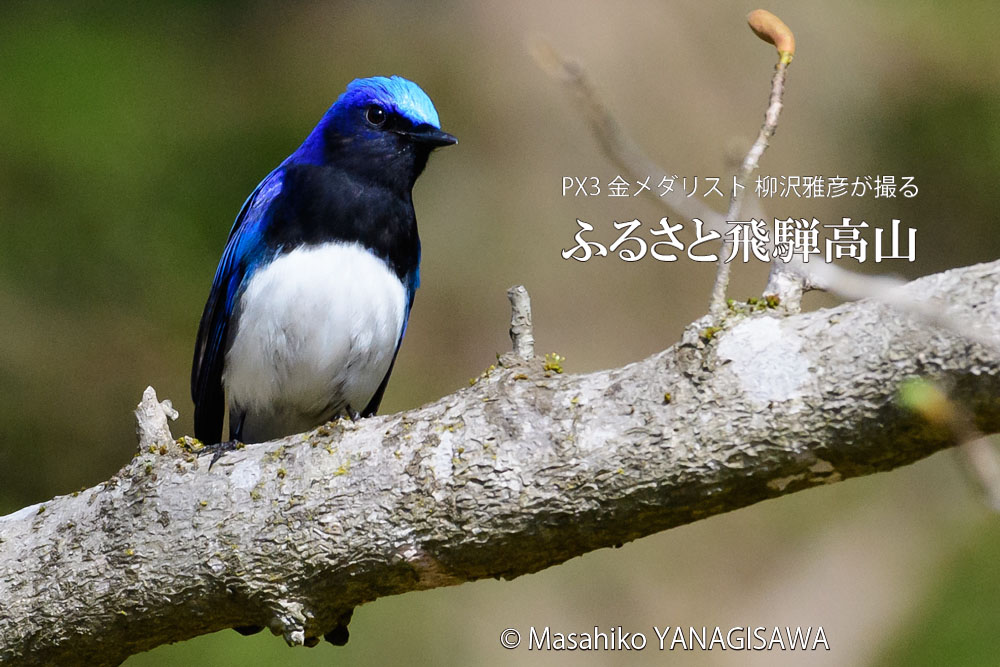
<point>311,297</point>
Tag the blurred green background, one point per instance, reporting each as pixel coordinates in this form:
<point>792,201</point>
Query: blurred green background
<point>130,134</point>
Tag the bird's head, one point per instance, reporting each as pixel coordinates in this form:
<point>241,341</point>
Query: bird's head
<point>383,127</point>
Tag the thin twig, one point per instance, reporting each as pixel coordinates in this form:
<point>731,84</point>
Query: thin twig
<point>976,451</point>
<point>750,163</point>
<point>615,143</point>
<point>983,463</point>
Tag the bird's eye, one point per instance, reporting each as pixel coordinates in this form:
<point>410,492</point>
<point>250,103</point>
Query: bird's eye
<point>375,115</point>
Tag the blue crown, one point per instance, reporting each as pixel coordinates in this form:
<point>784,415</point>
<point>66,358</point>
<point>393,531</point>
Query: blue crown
<point>394,94</point>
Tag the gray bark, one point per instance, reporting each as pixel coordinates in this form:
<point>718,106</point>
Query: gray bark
<point>522,471</point>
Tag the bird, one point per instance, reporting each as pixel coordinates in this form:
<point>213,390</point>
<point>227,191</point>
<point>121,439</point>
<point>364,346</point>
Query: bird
<point>311,297</point>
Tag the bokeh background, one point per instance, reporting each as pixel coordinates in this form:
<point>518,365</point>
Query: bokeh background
<point>130,134</point>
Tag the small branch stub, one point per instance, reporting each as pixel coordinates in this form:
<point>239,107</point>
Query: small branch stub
<point>520,322</point>
<point>151,425</point>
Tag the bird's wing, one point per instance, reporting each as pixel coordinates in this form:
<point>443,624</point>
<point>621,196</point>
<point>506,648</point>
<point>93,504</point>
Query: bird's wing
<point>244,251</point>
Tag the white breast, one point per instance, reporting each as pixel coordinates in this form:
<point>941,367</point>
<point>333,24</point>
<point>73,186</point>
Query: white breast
<point>316,333</point>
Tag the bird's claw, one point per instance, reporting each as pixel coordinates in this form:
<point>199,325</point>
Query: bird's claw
<point>220,448</point>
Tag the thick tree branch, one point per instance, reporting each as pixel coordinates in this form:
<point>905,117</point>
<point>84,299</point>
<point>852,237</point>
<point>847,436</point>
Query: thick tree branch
<point>523,470</point>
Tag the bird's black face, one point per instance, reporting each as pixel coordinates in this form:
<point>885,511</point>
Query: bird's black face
<point>382,144</point>
<point>378,119</point>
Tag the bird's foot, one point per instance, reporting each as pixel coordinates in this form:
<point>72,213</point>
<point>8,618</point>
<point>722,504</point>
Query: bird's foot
<point>220,448</point>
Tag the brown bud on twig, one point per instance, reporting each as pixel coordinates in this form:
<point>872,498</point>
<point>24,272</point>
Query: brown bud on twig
<point>773,30</point>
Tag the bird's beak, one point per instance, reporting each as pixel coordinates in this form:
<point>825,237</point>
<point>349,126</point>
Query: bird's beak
<point>430,135</point>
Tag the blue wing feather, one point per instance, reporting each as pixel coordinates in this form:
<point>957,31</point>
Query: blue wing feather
<point>245,250</point>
